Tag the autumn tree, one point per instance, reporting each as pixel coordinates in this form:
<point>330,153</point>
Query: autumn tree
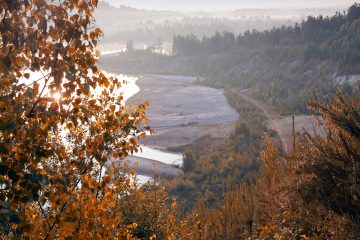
<point>329,164</point>
<point>58,131</point>
<point>249,207</point>
<point>155,214</point>
<point>318,192</point>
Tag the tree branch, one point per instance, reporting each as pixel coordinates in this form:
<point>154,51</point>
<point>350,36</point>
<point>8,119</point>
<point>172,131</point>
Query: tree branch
<point>64,205</point>
<point>43,212</point>
<point>39,97</point>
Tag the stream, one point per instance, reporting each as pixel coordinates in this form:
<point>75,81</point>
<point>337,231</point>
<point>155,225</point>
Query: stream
<point>130,89</point>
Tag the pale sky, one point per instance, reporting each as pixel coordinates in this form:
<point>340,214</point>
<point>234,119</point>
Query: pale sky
<point>194,5</point>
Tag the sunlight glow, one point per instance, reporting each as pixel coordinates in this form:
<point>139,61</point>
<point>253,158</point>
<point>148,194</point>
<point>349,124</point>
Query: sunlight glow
<point>56,96</point>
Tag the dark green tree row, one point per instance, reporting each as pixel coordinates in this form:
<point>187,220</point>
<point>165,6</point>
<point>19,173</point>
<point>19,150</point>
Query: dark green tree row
<point>325,37</point>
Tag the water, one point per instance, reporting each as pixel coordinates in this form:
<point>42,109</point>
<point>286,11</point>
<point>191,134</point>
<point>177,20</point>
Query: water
<point>161,156</point>
<point>129,89</point>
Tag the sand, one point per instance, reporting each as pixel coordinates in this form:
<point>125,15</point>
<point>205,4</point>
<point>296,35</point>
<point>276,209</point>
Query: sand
<point>181,112</point>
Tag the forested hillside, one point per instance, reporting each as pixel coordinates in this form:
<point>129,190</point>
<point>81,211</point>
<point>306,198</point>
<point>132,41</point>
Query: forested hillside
<point>285,66</point>
<point>63,143</point>
<point>148,27</point>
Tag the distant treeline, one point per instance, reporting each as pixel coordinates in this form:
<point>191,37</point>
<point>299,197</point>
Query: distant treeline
<point>335,37</point>
<point>286,66</point>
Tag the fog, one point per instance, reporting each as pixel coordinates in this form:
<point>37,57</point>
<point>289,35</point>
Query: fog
<point>211,5</point>
<point>154,27</point>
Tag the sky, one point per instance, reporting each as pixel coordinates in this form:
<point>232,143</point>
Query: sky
<point>209,5</point>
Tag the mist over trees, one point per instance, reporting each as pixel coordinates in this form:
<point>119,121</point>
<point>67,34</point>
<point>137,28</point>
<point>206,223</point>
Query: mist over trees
<point>144,27</point>
<point>285,66</point>
<point>64,136</point>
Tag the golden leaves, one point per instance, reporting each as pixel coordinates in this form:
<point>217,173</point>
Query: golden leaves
<point>133,141</point>
<point>142,135</point>
<point>6,80</point>
<point>61,146</point>
<point>67,229</point>
<point>27,75</point>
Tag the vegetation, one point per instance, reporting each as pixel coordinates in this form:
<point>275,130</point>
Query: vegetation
<point>311,193</point>
<point>285,66</point>
<point>63,136</point>
<point>213,167</point>
<point>53,150</point>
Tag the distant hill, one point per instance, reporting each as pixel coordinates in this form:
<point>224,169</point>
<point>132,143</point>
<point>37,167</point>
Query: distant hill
<point>285,66</point>
<point>112,19</point>
<point>145,27</point>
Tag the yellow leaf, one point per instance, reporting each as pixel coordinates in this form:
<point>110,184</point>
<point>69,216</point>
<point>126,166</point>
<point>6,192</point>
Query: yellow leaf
<point>6,79</point>
<point>143,135</point>
<point>112,108</point>
<point>133,141</point>
<point>68,227</point>
<point>57,176</point>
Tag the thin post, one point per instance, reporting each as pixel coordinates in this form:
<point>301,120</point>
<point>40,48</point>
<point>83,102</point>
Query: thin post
<point>293,132</point>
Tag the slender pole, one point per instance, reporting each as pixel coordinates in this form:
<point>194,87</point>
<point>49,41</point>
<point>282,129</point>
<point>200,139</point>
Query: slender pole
<point>293,127</point>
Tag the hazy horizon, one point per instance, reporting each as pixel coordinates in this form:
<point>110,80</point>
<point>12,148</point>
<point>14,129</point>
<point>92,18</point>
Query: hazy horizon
<point>211,5</point>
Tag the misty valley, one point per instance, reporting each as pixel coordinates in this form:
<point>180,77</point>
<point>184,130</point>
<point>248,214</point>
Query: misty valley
<point>179,120</point>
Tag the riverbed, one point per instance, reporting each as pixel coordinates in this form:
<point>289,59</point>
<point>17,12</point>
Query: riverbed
<point>180,112</point>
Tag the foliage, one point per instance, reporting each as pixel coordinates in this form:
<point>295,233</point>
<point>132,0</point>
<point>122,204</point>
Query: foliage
<point>247,207</point>
<point>334,171</point>
<point>63,136</point>
<point>212,167</point>
<point>321,174</point>
<point>155,214</point>
<point>54,150</point>
<point>285,66</point>
<point>311,193</point>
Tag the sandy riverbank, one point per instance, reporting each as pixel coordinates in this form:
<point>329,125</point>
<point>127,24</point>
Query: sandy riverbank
<point>181,112</point>
<point>148,167</point>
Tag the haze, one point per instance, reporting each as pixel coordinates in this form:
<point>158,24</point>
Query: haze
<point>209,5</point>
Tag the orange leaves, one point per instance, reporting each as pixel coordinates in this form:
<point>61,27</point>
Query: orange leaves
<point>112,107</point>
<point>6,80</point>
<point>57,176</point>
<point>106,180</point>
<point>142,135</point>
<point>68,228</point>
<point>71,51</point>
<point>133,141</point>
<point>27,75</point>
<point>3,4</point>
<point>96,33</point>
<point>74,18</point>
<point>66,139</point>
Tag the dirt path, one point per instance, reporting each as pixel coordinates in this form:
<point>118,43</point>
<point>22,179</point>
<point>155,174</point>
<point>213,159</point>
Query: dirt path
<point>283,125</point>
<point>273,117</point>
